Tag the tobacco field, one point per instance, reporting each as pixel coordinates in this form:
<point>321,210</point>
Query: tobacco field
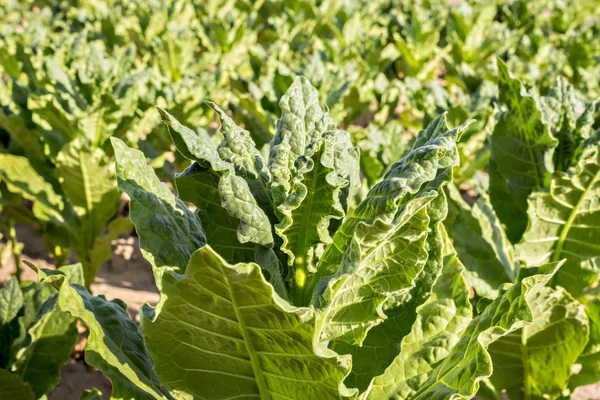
<point>303,199</point>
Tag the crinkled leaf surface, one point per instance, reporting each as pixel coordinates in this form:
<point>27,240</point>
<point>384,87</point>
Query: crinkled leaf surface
<point>200,187</point>
<point>220,331</point>
<point>238,148</point>
<point>299,193</point>
<point>383,341</point>
<point>440,321</point>
<point>468,361</point>
<point>392,268</point>
<point>382,344</point>
<point>237,153</point>
<point>382,270</point>
<point>565,223</point>
<point>302,122</point>
<point>536,361</point>
<point>521,154</point>
<point>169,232</point>
<point>418,175</point>
<point>480,243</point>
<point>310,206</point>
<point>570,121</point>
<point>45,348</point>
<point>590,357</point>
<point>115,345</point>
<point>234,224</point>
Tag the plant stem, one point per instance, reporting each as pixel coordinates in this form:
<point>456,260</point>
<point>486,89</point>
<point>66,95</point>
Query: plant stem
<point>15,248</point>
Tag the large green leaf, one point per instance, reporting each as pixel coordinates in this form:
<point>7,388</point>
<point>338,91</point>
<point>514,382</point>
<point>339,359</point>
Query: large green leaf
<point>88,181</point>
<point>201,188</point>
<point>11,302</point>
<point>302,123</point>
<point>392,268</point>
<point>29,140</point>
<point>536,361</point>
<point>224,329</point>
<point>565,223</point>
<point>169,232</point>
<point>384,263</point>
<point>570,121</point>
<point>115,345</point>
<point>419,174</point>
<point>437,328</point>
<point>234,223</point>
<point>22,178</point>
<point>467,362</point>
<point>13,388</point>
<point>309,208</point>
<point>589,359</point>
<point>480,243</point>
<point>45,349</point>
<point>236,197</point>
<point>521,154</point>
<point>383,343</point>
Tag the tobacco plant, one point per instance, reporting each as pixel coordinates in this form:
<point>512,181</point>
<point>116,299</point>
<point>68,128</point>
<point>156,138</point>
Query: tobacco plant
<point>277,284</point>
<point>281,273</point>
<point>62,110</point>
<point>544,186</point>
<point>37,337</point>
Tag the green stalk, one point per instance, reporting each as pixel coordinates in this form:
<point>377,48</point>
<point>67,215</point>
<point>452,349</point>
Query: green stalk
<point>299,284</point>
<point>16,250</point>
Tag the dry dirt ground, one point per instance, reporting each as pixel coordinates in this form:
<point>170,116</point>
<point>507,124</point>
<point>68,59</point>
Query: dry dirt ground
<point>126,276</point>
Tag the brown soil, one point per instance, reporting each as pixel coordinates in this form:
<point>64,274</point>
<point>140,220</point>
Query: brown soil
<point>127,276</point>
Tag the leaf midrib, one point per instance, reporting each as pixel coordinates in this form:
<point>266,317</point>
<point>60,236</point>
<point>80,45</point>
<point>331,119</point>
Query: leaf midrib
<point>536,172</point>
<point>572,215</point>
<point>382,243</point>
<point>258,373</point>
<point>301,245</point>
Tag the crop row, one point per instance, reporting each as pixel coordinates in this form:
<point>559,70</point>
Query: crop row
<point>400,200</point>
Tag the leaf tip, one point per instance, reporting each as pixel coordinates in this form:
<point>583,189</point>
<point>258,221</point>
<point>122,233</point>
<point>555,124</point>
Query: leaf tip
<point>116,142</point>
<point>214,107</point>
<point>166,118</point>
<point>31,265</point>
